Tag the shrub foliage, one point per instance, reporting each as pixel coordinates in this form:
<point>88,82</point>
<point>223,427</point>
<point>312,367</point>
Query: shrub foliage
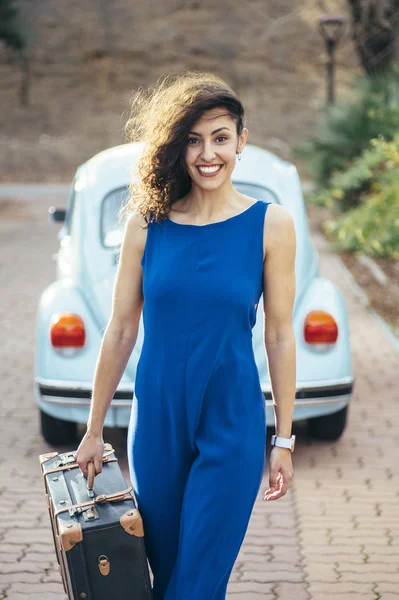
<point>368,193</point>
<point>347,127</point>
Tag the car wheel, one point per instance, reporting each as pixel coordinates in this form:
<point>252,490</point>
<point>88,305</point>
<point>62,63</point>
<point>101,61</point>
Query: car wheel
<point>56,431</point>
<point>328,427</point>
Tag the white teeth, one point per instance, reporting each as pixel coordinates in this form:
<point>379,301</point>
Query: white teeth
<point>209,169</point>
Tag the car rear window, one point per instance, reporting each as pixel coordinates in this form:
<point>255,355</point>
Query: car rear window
<point>112,230</point>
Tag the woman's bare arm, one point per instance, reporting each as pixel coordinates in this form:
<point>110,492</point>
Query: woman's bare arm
<point>121,332</point>
<point>118,340</point>
<point>278,298</point>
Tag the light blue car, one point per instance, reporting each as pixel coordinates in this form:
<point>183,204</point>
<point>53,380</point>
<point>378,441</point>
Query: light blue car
<point>74,310</point>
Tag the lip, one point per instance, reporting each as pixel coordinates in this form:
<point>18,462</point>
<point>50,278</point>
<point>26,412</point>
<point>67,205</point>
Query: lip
<point>209,174</point>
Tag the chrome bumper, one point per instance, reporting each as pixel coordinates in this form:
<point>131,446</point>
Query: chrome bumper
<point>318,393</point>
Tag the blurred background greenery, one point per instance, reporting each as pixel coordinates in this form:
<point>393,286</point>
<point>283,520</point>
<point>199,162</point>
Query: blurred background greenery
<point>354,161</point>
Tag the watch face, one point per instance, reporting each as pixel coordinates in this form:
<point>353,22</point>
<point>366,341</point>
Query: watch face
<point>292,443</point>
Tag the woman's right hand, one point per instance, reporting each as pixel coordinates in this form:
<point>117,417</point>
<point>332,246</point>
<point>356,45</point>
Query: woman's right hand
<point>91,448</point>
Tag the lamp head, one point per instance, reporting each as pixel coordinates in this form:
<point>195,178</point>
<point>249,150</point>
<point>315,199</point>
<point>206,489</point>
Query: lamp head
<point>332,28</point>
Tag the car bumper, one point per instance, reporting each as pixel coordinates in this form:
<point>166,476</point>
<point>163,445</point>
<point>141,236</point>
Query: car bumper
<point>74,398</point>
<point>315,399</point>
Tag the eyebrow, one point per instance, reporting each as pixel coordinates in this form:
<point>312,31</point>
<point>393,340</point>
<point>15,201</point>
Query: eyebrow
<point>215,131</point>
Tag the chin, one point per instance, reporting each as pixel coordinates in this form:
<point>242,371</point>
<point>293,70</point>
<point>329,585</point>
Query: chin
<point>211,185</point>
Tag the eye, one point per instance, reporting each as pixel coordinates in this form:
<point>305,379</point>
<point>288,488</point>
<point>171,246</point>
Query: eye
<point>221,137</point>
<point>192,140</point>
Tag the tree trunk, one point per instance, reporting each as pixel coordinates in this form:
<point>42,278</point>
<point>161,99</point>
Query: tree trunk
<point>375,32</point>
<point>104,9</point>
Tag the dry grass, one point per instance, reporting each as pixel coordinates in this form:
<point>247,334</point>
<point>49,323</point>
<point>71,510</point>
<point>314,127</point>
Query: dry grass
<point>273,58</point>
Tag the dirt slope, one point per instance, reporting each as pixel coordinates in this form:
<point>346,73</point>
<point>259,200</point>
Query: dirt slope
<point>273,57</point>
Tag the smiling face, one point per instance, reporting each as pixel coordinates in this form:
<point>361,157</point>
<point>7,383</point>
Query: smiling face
<point>212,148</point>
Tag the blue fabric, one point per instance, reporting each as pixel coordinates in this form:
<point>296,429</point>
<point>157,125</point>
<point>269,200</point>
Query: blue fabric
<point>197,432</point>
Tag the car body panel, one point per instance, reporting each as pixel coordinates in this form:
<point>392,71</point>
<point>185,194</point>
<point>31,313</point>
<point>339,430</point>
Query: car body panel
<point>85,277</point>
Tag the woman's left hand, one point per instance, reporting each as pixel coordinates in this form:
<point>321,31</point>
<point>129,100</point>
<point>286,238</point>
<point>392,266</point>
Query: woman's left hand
<point>281,473</point>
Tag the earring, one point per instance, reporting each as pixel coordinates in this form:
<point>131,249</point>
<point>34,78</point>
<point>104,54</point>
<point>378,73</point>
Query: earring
<point>239,155</point>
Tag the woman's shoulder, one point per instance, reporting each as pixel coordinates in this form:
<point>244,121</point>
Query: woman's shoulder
<point>136,230</point>
<point>136,221</point>
<point>279,227</point>
<point>279,216</point>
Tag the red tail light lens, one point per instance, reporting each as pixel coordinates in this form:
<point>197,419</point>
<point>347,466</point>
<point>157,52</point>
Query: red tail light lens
<point>67,331</point>
<point>320,328</point>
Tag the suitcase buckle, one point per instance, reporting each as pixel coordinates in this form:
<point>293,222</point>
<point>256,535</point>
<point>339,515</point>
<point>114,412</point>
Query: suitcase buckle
<point>101,498</point>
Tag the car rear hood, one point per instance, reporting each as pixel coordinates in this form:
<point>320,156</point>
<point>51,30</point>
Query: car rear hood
<point>100,294</point>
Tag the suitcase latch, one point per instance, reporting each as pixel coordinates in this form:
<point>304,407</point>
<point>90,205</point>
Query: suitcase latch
<point>104,564</point>
<point>90,514</point>
<point>66,459</point>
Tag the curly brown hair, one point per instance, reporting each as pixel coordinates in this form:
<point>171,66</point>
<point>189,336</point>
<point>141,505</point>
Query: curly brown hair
<point>161,118</point>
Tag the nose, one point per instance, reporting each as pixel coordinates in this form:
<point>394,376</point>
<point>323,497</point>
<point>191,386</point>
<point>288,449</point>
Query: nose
<point>208,153</point>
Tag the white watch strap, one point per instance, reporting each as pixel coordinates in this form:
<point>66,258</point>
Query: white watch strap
<point>281,442</point>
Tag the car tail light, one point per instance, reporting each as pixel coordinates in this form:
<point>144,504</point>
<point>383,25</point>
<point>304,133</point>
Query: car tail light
<point>67,330</point>
<point>320,329</point>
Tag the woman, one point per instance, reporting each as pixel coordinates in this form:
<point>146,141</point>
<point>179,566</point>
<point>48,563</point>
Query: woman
<point>196,256</point>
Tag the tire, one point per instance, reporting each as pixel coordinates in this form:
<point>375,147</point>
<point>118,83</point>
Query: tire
<point>56,431</point>
<point>328,427</point>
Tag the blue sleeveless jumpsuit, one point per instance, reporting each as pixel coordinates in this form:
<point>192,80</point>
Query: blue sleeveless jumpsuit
<point>197,432</point>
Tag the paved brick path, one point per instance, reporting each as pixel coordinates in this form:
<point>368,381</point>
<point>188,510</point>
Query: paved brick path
<point>335,534</point>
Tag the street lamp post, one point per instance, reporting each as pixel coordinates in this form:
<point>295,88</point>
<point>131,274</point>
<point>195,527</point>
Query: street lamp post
<point>332,29</point>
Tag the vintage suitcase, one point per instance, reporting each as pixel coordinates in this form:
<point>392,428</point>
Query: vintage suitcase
<point>98,533</point>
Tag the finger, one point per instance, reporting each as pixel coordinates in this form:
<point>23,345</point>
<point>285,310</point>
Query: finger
<point>98,465</point>
<point>273,475</point>
<point>278,493</point>
<point>284,489</point>
<point>274,496</point>
<point>83,468</point>
<point>287,478</point>
<point>272,492</point>
<point>277,484</point>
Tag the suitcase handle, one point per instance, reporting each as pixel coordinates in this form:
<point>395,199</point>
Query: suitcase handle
<point>91,473</point>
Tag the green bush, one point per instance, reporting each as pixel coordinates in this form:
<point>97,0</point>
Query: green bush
<point>372,182</point>
<point>372,228</point>
<point>347,187</point>
<point>347,127</point>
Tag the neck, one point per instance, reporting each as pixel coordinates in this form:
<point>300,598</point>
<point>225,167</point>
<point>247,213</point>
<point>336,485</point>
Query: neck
<point>207,205</point>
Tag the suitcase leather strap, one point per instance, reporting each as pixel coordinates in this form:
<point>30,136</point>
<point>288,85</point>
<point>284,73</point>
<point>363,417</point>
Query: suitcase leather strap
<point>101,499</point>
<point>106,459</point>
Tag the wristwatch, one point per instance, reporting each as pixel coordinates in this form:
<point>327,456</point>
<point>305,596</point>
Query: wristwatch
<point>283,442</point>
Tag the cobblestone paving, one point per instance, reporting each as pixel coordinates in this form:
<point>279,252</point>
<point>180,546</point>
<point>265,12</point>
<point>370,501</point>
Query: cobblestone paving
<point>334,535</point>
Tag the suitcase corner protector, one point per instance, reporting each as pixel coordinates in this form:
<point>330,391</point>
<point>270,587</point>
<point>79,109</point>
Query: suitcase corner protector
<point>44,457</point>
<point>69,534</point>
<point>132,522</point>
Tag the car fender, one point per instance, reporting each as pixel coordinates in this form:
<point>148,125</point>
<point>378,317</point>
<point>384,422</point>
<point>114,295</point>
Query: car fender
<point>336,362</point>
<point>65,295</point>
<point>312,366</point>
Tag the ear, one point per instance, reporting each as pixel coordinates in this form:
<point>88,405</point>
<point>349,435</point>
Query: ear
<point>242,138</point>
